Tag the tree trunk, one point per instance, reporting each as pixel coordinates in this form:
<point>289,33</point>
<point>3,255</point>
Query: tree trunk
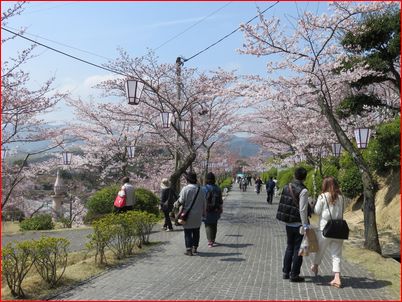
<point>371,240</point>
<point>184,164</point>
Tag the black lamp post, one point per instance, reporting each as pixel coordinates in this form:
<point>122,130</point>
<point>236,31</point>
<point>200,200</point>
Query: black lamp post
<point>134,90</point>
<point>336,149</point>
<point>362,136</point>
<point>67,156</point>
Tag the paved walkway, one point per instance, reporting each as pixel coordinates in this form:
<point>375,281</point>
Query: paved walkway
<point>245,266</point>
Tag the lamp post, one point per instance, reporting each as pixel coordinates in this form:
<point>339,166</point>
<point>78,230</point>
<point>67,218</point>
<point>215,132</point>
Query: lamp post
<point>130,151</point>
<point>362,136</point>
<point>336,149</point>
<point>165,117</point>
<point>67,156</point>
<point>134,90</point>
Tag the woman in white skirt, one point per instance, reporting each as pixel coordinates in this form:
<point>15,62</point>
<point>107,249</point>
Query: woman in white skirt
<point>331,199</point>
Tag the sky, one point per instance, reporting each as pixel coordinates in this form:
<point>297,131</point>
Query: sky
<point>95,30</point>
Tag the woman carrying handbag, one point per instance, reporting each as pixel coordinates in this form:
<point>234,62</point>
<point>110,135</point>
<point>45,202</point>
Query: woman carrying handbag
<point>330,206</point>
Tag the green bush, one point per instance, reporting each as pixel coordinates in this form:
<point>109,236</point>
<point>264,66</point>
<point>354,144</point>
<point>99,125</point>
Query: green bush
<point>50,257</point>
<point>120,233</point>
<point>383,152</point>
<point>350,179</point>
<point>285,177</point>
<point>273,172</point>
<point>101,203</point>
<point>329,168</point>
<point>16,263</point>
<point>38,222</point>
<point>146,201</point>
<point>226,183</point>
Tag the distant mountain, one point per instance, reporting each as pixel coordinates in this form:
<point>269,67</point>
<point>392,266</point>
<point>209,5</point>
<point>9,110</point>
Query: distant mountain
<point>243,147</point>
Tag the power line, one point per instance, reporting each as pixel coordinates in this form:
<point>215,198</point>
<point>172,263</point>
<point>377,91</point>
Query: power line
<point>195,24</point>
<point>66,54</point>
<point>231,33</point>
<point>59,43</point>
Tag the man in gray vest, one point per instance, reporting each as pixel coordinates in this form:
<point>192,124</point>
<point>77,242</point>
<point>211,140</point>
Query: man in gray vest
<point>293,210</point>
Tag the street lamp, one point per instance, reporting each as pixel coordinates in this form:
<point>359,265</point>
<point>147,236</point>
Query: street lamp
<point>362,136</point>
<point>67,156</point>
<point>336,149</point>
<point>181,124</point>
<point>130,151</point>
<point>134,90</point>
<point>165,116</point>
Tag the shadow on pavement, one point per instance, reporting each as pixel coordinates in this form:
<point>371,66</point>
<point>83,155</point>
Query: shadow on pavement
<point>235,245</point>
<point>214,254</point>
<point>356,282</point>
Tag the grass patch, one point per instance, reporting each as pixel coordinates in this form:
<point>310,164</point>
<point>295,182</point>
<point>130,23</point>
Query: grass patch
<point>81,266</point>
<point>384,269</point>
<point>10,227</point>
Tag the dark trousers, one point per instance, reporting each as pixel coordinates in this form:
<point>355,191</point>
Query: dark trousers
<point>270,196</point>
<point>191,238</point>
<point>123,209</point>
<point>168,222</point>
<point>211,229</point>
<point>292,262</point>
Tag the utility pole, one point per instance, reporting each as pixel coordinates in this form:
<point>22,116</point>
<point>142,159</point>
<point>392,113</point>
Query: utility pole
<point>179,63</point>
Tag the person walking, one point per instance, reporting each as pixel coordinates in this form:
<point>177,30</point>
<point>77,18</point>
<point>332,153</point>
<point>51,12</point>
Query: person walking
<point>213,195</point>
<point>330,204</point>
<point>258,184</point>
<point>270,187</point>
<point>168,197</point>
<point>191,197</point>
<point>127,190</point>
<point>276,187</point>
<point>293,210</point>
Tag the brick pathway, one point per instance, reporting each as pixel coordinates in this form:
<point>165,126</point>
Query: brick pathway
<point>245,266</point>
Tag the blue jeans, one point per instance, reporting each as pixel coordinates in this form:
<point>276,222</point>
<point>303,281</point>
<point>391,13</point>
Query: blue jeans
<point>292,262</point>
<point>191,238</point>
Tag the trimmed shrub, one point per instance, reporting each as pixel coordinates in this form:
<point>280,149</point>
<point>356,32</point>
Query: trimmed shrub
<point>16,263</point>
<point>121,233</point>
<point>146,201</point>
<point>329,168</point>
<point>285,177</point>
<point>101,203</point>
<point>383,152</point>
<point>38,222</point>
<point>350,178</point>
<point>226,183</point>
<point>51,256</point>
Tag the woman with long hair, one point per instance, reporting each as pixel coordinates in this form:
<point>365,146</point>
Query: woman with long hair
<point>329,204</point>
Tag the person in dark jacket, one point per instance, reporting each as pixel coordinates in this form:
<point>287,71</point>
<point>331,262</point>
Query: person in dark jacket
<point>293,210</point>
<point>258,184</point>
<point>213,195</point>
<point>168,197</point>
<point>270,187</point>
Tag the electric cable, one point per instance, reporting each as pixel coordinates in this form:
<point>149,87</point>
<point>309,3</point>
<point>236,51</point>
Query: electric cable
<point>66,54</point>
<point>231,33</point>
<point>193,25</point>
<point>59,43</point>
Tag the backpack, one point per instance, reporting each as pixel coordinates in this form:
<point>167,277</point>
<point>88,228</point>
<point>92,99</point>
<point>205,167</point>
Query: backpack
<point>214,198</point>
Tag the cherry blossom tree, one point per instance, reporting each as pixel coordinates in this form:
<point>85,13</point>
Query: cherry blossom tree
<point>22,108</point>
<point>203,101</point>
<point>311,54</point>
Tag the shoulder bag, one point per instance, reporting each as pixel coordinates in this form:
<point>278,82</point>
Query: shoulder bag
<point>336,228</point>
<point>183,214</point>
<point>120,201</point>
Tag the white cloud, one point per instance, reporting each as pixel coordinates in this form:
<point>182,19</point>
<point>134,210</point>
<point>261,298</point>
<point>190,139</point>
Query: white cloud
<point>94,80</point>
